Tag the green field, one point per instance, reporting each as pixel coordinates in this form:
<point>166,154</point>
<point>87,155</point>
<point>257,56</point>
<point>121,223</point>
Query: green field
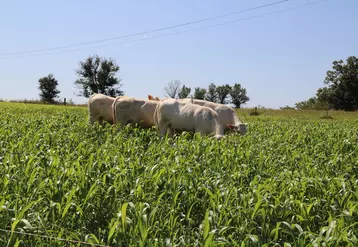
<point>292,180</point>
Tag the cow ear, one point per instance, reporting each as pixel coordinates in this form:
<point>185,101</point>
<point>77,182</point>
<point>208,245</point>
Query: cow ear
<point>150,97</point>
<point>230,126</point>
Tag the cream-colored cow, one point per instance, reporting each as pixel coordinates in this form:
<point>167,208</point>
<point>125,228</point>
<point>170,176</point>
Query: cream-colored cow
<point>171,114</point>
<point>150,97</point>
<point>131,110</point>
<point>227,116</point>
<point>100,108</point>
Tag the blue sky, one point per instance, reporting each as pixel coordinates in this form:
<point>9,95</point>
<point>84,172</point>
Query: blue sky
<point>280,58</point>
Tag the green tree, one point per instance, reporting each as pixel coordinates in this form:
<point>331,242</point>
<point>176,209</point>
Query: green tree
<point>48,88</point>
<point>342,85</point>
<point>307,104</point>
<point>98,75</point>
<point>324,98</point>
<point>222,93</point>
<point>313,103</point>
<point>184,92</point>
<point>287,107</point>
<point>199,93</point>
<point>238,95</point>
<point>211,94</point>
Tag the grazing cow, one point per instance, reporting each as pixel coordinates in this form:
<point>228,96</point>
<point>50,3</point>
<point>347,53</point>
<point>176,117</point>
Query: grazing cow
<point>171,114</point>
<point>227,116</point>
<point>100,108</point>
<point>130,110</point>
<point>150,97</point>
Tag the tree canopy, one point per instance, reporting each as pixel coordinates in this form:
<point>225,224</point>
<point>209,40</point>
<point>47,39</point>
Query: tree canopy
<point>341,88</point>
<point>184,92</point>
<point>199,93</point>
<point>222,93</point>
<point>238,95</point>
<point>98,75</point>
<point>211,94</point>
<point>48,88</point>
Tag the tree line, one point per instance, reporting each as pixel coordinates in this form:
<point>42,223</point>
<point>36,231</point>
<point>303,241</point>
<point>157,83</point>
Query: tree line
<point>98,75</point>
<point>223,94</point>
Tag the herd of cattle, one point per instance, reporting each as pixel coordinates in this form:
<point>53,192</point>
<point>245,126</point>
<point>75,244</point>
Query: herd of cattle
<point>168,115</point>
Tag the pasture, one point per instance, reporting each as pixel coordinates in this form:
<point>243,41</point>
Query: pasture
<point>292,180</point>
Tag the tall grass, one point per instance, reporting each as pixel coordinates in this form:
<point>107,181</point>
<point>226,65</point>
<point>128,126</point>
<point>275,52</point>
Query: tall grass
<point>288,182</point>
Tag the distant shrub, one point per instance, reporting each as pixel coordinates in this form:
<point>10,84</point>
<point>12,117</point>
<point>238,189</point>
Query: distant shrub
<point>326,117</point>
<point>254,112</point>
<point>287,108</point>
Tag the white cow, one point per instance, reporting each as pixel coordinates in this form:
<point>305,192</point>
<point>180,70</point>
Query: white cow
<point>171,114</point>
<point>131,110</point>
<point>227,116</point>
<point>100,108</point>
<point>150,97</point>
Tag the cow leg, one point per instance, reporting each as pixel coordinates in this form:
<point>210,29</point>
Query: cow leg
<point>110,121</point>
<point>100,120</point>
<point>91,120</point>
<point>170,131</point>
<point>163,127</point>
<point>202,132</point>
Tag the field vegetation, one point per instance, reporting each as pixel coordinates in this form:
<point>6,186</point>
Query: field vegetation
<point>292,180</point>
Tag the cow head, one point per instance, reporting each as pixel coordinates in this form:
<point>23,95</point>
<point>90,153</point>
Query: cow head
<point>241,128</point>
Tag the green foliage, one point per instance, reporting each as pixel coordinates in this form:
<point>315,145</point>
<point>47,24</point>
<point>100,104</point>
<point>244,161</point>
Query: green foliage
<point>184,92</point>
<point>48,89</point>
<point>313,103</point>
<point>287,107</point>
<point>341,92</point>
<point>307,104</point>
<point>342,82</point>
<point>199,93</point>
<point>211,94</point>
<point>222,93</point>
<point>98,75</point>
<point>238,95</point>
<point>287,182</point>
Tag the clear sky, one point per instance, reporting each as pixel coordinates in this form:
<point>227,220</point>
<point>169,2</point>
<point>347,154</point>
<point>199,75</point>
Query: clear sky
<point>280,58</point>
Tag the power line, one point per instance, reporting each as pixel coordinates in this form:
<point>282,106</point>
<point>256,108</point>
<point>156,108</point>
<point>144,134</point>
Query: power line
<point>174,33</point>
<point>144,32</point>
